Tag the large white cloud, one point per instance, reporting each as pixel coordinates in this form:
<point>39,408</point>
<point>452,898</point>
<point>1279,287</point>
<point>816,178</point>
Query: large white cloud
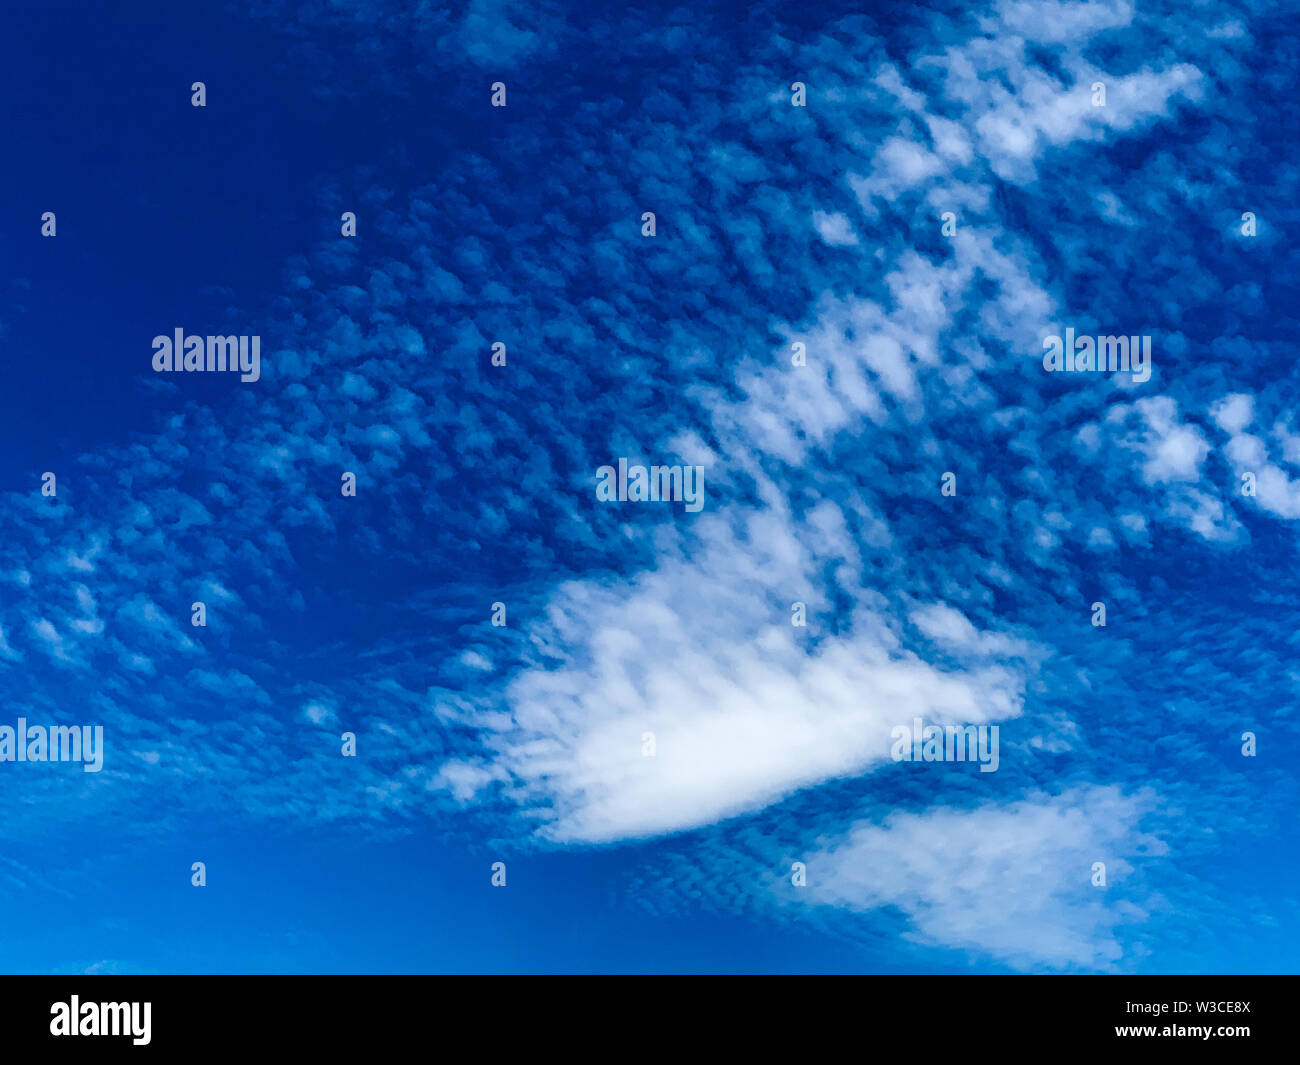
<point>744,707</point>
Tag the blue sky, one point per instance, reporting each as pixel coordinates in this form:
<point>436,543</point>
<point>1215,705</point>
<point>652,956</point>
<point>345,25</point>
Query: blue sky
<point>522,744</point>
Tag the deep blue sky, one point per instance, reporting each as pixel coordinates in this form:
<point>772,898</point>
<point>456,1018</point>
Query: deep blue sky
<point>476,485</point>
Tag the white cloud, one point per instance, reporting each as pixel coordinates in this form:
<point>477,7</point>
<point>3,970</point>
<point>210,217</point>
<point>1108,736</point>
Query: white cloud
<point>1174,451</point>
<point>835,229</point>
<point>318,714</point>
<point>744,710</point>
<point>1010,880</point>
<point>1233,413</point>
